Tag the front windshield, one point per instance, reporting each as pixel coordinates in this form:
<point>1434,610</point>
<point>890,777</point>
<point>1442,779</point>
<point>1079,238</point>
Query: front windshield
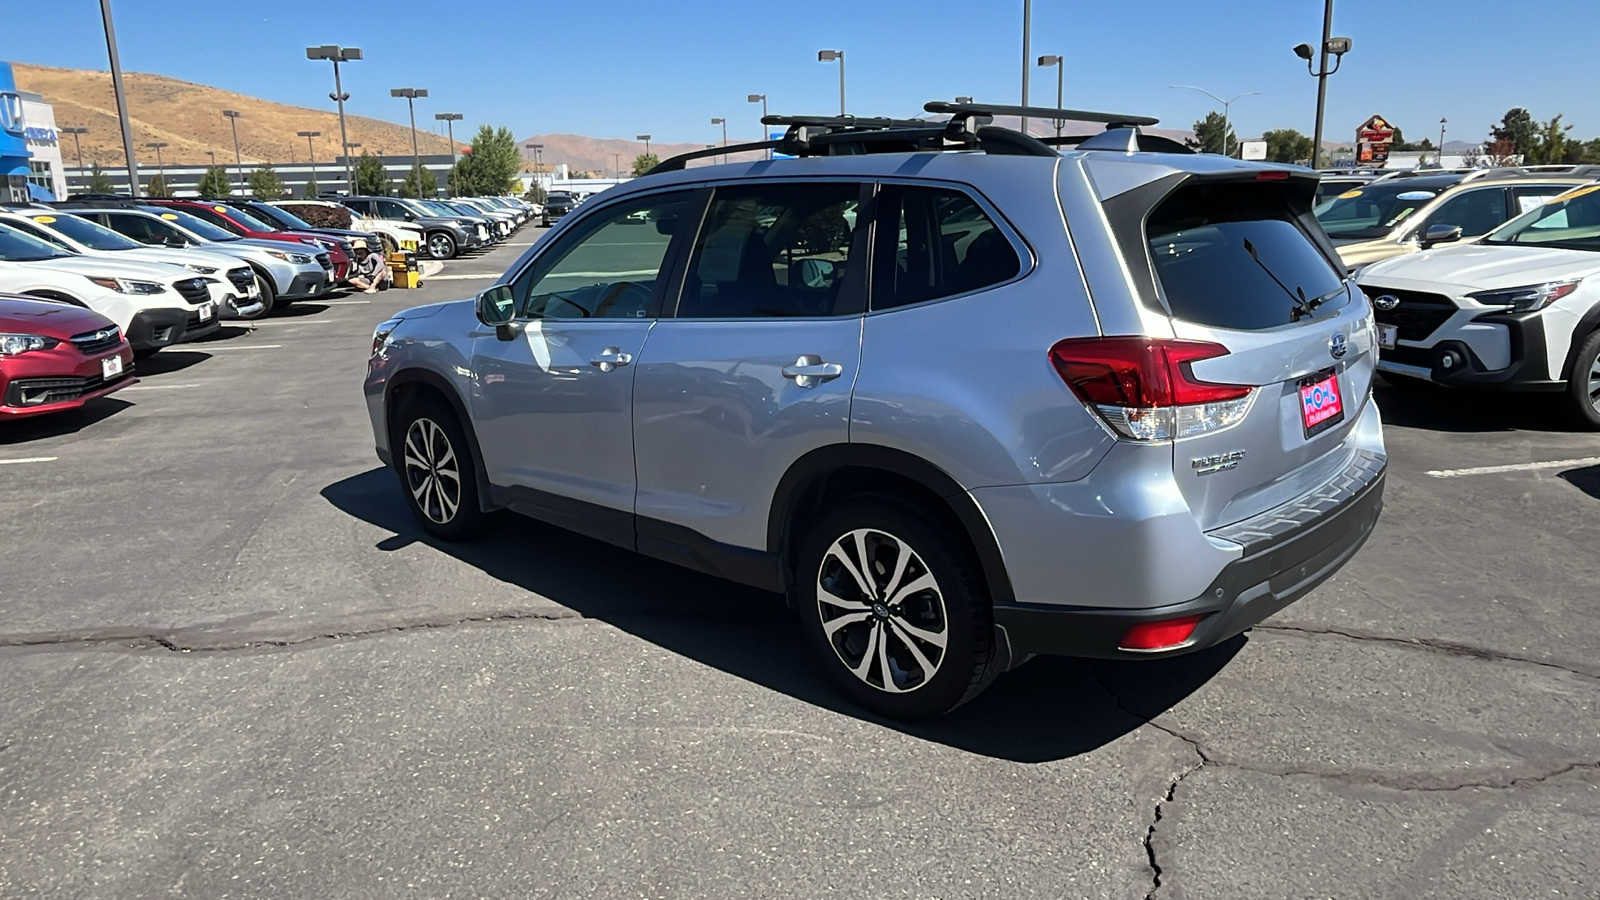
<point>283,218</point>
<point>1368,213</point>
<point>249,222</point>
<point>438,209</point>
<point>1570,223</point>
<point>417,207</point>
<point>18,247</point>
<point>87,233</point>
<point>194,225</point>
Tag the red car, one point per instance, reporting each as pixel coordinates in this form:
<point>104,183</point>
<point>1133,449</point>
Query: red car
<point>341,253</point>
<point>56,356</point>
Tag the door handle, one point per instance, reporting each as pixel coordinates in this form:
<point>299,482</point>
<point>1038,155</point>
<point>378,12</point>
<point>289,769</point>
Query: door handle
<point>809,371</point>
<point>611,358</point>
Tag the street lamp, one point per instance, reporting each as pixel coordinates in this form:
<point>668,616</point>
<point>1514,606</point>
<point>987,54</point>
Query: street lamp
<point>1225,105</point>
<point>238,161</point>
<point>830,56</point>
<point>75,145</point>
<point>1061,69</point>
<point>616,165</point>
<point>122,99</point>
<point>411,95</point>
<point>450,120</point>
<point>337,54</point>
<point>311,152</point>
<point>762,99</point>
<point>724,124</point>
<point>646,139</point>
<point>160,167</point>
<point>1338,47</point>
<point>1027,54</point>
<point>1442,122</point>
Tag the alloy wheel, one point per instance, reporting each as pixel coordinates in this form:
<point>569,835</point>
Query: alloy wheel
<point>433,471</point>
<point>440,246</point>
<point>1594,383</point>
<point>882,611</point>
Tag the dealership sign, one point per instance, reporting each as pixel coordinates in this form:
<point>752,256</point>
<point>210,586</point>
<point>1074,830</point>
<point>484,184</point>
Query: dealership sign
<point>11,113</point>
<point>1372,141</point>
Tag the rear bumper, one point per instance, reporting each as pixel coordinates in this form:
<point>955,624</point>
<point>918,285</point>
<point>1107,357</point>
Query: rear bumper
<point>1288,552</point>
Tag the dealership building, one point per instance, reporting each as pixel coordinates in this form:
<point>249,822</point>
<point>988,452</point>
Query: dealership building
<point>30,148</point>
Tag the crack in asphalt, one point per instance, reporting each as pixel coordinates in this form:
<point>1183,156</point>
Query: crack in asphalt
<point>1446,647</point>
<point>136,639</point>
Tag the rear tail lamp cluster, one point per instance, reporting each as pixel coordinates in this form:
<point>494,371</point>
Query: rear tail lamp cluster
<point>1144,388</point>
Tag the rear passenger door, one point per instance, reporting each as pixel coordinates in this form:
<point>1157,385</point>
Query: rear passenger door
<point>756,364</point>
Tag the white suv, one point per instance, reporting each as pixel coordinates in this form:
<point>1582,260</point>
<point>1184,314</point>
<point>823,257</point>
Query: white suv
<point>1518,310</point>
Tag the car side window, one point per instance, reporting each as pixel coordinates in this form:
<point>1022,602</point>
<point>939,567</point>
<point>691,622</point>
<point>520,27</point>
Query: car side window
<point>388,209</point>
<point>1477,212</point>
<point>772,250</point>
<point>1536,195</point>
<point>935,242</point>
<point>609,266</point>
<point>208,214</point>
<point>136,227</point>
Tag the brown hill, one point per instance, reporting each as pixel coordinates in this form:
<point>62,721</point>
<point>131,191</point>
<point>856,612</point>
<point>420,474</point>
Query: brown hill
<point>188,118</point>
<point>587,154</point>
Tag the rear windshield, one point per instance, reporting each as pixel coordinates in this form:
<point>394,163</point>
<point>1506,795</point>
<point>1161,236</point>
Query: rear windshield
<point>1232,256</point>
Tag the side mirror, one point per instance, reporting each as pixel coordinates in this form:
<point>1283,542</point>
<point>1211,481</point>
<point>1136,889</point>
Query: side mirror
<point>175,241</point>
<point>666,225</point>
<point>1441,234</point>
<point>495,308</point>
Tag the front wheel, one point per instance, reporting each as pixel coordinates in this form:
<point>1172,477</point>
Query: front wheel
<point>441,246</point>
<point>1583,385</point>
<point>434,463</point>
<point>894,606</point>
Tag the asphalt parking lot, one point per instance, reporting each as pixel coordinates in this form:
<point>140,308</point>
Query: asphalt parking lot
<point>231,666</point>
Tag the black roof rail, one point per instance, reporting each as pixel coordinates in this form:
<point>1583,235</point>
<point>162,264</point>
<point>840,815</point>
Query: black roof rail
<point>97,201</point>
<point>1037,112</point>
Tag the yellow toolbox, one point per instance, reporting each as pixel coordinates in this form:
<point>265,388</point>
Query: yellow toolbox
<point>405,269</point>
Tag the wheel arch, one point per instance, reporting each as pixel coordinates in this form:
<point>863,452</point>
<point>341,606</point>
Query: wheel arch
<point>408,384</point>
<point>1587,325</point>
<point>831,473</point>
<point>56,296</point>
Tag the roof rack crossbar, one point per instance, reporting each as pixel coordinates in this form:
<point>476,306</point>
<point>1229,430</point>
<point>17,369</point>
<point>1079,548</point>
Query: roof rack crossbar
<point>677,163</point>
<point>1036,112</point>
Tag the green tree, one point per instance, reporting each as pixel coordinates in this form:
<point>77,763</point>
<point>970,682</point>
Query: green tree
<point>1285,145</point>
<point>1208,136</point>
<point>430,183</point>
<point>99,181</point>
<point>1518,128</point>
<point>215,183</point>
<point>535,193</point>
<point>371,179</point>
<point>490,166</point>
<point>1591,152</point>
<point>1553,144</point>
<point>265,184</point>
<point>157,187</point>
<point>311,191</point>
<point>644,162</point>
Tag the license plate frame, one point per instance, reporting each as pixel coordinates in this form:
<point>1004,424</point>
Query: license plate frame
<point>1388,336</point>
<point>207,311</point>
<point>1321,402</point>
<point>111,367</point>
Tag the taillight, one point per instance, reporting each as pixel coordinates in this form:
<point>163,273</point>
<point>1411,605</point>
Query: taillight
<point>1160,635</point>
<point>1145,388</point>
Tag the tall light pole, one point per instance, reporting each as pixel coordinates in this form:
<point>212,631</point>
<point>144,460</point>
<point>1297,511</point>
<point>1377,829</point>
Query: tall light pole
<point>122,99</point>
<point>311,153</point>
<point>238,161</point>
<point>762,99</point>
<point>337,54</point>
<point>1225,105</point>
<point>1442,122</point>
<point>1338,47</point>
<point>637,137</point>
<point>616,165</point>
<point>830,56</point>
<point>411,95</point>
<point>160,167</point>
<point>75,145</point>
<point>450,120</point>
<point>724,124</point>
<point>1061,69</point>
<point>1027,54</point>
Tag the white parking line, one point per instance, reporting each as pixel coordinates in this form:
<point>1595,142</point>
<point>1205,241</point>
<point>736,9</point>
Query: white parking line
<point>245,347</point>
<point>340,302</point>
<point>460,277</point>
<point>160,387</point>
<point>30,459</point>
<point>1517,467</point>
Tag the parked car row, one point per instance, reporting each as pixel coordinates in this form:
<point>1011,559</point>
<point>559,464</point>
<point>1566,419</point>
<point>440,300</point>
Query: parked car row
<point>450,227</point>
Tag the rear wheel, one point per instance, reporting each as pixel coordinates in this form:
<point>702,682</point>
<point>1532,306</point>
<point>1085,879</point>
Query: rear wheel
<point>1583,385</point>
<point>441,246</point>
<point>434,463</point>
<point>893,606</point>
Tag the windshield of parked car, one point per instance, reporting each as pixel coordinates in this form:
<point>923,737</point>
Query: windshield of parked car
<point>87,233</point>
<point>1370,212</point>
<point>194,225</point>
<point>439,209</point>
<point>18,247</point>
<point>559,198</point>
<point>1570,222</point>
<point>249,222</point>
<point>282,218</point>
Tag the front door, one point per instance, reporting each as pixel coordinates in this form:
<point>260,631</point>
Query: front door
<point>553,406</point>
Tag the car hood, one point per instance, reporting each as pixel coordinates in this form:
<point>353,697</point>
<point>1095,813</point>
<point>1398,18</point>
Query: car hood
<point>1362,253</point>
<point>432,309</point>
<point>106,267</point>
<point>1482,267</point>
<point>42,317</point>
<point>216,261</point>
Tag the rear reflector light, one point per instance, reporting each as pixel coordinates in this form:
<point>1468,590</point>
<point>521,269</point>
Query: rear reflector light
<point>1145,388</point>
<point>1160,635</point>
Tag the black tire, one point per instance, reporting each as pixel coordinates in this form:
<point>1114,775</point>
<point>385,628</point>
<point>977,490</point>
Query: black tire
<point>545,223</point>
<point>845,626</point>
<point>441,246</point>
<point>269,296</point>
<point>431,451</point>
<point>1583,385</point>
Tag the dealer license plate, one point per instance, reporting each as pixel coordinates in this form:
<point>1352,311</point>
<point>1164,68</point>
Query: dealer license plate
<point>206,312</point>
<point>1321,407</point>
<point>110,367</point>
<point>1387,335</point>
<point>252,292</point>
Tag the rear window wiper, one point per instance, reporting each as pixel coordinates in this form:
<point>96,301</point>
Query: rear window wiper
<point>1302,306</point>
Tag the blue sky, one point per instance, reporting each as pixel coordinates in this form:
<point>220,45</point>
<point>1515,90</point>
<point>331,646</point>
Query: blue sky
<point>617,68</point>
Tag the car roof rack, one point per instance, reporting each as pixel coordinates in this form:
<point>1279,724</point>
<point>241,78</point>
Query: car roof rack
<point>970,127</point>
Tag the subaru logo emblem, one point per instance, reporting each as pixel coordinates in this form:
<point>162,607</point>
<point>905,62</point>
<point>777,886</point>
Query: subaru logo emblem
<point>11,113</point>
<point>1338,346</point>
<point>1386,302</point>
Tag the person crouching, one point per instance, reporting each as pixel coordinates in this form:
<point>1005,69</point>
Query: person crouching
<point>372,271</point>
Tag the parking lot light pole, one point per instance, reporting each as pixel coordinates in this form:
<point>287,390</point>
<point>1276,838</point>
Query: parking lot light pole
<point>160,167</point>
<point>1027,54</point>
<point>646,139</point>
<point>762,99</point>
<point>1338,47</point>
<point>75,145</point>
<point>1046,61</point>
<point>311,152</point>
<point>830,56</point>
<point>1442,122</point>
<point>411,95</point>
<point>724,124</point>
<point>1225,107</point>
<point>450,120</point>
<point>337,54</point>
<point>122,99</point>
<point>238,161</point>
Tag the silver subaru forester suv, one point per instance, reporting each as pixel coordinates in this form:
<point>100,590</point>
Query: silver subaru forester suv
<point>963,395</point>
